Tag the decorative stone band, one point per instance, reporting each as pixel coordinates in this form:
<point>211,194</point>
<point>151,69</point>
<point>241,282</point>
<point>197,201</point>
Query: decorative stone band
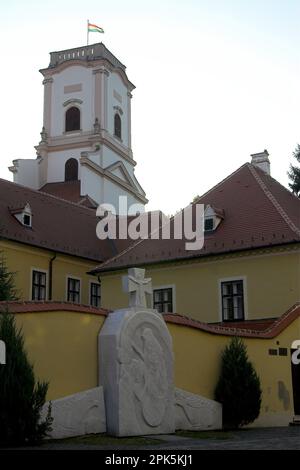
<point>72,101</point>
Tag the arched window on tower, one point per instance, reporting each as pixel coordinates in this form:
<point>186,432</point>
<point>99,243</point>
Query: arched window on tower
<point>118,126</point>
<point>73,119</point>
<point>71,170</point>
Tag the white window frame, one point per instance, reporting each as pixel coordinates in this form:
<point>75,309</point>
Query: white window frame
<point>70,276</point>
<point>45,271</point>
<point>245,294</point>
<point>166,286</point>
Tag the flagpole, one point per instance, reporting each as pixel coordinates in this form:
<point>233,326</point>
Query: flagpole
<point>87,34</point>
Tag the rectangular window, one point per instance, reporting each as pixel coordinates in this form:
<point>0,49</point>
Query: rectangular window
<point>232,300</point>
<point>73,290</point>
<point>273,352</point>
<point>163,300</point>
<point>27,220</point>
<point>95,294</point>
<point>38,285</point>
<point>208,224</point>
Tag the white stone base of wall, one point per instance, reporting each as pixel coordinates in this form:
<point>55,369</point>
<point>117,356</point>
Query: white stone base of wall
<point>78,414</point>
<point>194,412</point>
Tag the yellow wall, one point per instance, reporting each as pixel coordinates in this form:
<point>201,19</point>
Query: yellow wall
<point>271,280</point>
<point>198,359</point>
<point>21,259</point>
<point>63,347</point>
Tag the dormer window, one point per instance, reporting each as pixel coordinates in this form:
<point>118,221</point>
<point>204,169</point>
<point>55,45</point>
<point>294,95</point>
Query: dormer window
<point>23,215</point>
<point>212,218</point>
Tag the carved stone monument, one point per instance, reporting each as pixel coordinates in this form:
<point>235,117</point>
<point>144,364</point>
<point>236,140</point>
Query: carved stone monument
<point>136,395</point>
<point>136,366</point>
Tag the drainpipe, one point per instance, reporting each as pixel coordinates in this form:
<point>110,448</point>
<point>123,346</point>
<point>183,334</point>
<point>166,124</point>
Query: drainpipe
<point>99,280</point>
<point>50,276</point>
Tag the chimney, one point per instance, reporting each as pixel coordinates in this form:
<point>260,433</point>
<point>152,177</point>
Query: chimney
<point>261,160</point>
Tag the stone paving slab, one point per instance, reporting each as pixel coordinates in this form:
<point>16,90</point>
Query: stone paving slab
<point>249,439</point>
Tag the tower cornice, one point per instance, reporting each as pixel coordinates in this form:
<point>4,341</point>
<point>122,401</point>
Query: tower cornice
<point>87,139</point>
<point>93,56</point>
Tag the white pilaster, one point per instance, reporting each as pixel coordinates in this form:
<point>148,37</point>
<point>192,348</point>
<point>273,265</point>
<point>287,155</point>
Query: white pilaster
<point>129,96</point>
<point>47,82</point>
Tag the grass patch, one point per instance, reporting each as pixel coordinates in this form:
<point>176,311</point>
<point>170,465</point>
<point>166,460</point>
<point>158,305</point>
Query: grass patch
<point>205,434</point>
<point>105,440</point>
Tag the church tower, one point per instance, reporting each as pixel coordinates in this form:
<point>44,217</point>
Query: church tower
<point>85,152</point>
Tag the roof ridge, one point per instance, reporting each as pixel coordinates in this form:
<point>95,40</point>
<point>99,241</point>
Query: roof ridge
<point>221,182</point>
<point>134,245</point>
<point>273,200</point>
<point>126,250</point>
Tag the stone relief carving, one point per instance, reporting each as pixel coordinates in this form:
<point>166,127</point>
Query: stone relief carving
<point>196,412</point>
<point>78,414</point>
<point>148,376</point>
<point>142,373</point>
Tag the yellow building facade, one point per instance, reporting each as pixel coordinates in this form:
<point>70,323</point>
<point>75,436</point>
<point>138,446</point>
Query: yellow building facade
<point>50,245</point>
<point>23,259</point>
<point>270,280</point>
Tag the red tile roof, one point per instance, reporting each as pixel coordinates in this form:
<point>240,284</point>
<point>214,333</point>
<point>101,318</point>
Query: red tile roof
<point>70,191</point>
<point>265,329</point>
<point>49,306</point>
<point>57,225</point>
<point>255,325</point>
<point>258,212</point>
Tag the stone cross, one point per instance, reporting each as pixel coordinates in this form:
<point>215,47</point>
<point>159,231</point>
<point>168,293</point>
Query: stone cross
<point>137,287</point>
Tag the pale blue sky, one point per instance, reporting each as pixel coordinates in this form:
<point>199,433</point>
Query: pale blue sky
<point>216,80</point>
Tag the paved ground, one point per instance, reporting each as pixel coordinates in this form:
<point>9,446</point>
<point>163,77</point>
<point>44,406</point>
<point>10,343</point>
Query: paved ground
<point>249,439</point>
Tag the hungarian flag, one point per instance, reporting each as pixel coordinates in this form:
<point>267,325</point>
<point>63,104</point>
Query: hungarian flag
<point>93,28</point>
